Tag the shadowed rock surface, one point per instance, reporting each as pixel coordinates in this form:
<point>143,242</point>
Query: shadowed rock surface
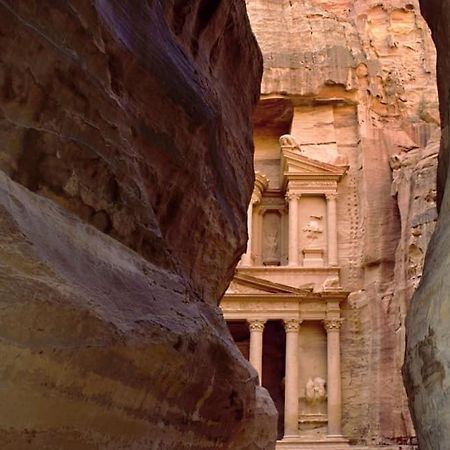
<point>426,370</point>
<point>126,169</point>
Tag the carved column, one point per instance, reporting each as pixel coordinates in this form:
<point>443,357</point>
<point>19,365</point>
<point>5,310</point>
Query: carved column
<point>258,218</point>
<point>291,379</point>
<point>247,257</point>
<point>256,345</point>
<point>333,327</point>
<point>332,229</point>
<point>293,229</point>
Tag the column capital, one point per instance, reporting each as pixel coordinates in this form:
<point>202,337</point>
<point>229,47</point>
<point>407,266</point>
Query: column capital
<point>256,325</point>
<point>332,324</point>
<point>331,195</point>
<point>292,196</point>
<point>292,325</point>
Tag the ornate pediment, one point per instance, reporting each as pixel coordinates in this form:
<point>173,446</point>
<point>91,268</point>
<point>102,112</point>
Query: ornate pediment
<point>296,167</point>
<point>247,284</point>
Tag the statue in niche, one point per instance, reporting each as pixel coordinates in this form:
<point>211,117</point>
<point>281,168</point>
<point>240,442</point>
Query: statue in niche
<point>271,249</point>
<point>315,390</point>
<point>288,141</point>
<point>313,229</point>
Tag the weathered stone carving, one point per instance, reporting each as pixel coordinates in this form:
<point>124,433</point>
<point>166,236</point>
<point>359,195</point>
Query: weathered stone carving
<point>256,325</point>
<point>332,324</point>
<point>313,229</point>
<point>315,390</point>
<point>331,283</point>
<point>292,325</point>
<point>288,141</point>
<point>271,246</point>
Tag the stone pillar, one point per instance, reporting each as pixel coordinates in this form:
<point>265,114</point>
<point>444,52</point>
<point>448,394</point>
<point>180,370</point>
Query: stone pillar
<point>291,379</point>
<point>247,256</point>
<point>334,376</point>
<point>293,230</point>
<point>258,218</point>
<point>332,229</point>
<point>256,345</point>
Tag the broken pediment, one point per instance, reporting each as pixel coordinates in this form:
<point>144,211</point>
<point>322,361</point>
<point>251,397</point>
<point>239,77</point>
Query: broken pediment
<point>247,284</point>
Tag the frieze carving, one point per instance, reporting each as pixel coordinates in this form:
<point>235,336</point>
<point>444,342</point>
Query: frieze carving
<point>292,325</point>
<point>315,183</point>
<point>256,325</point>
<point>332,324</point>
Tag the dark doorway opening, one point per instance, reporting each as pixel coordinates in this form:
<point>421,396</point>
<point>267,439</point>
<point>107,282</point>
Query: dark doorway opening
<point>273,372</point>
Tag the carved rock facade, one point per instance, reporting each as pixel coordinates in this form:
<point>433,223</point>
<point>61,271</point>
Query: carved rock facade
<point>347,84</point>
<point>123,128</point>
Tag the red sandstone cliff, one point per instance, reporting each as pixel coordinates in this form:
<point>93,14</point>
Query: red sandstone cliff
<point>354,81</point>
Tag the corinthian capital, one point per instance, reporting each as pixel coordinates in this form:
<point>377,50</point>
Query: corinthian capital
<point>292,325</point>
<point>256,325</point>
<point>332,324</point>
<point>331,196</point>
<point>292,196</point>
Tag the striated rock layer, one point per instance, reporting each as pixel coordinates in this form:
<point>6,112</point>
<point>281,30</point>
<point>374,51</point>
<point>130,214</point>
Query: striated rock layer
<point>426,370</point>
<point>123,130</point>
<point>354,83</point>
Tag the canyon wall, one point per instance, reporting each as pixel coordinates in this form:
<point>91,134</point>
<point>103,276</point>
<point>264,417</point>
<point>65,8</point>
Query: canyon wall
<point>354,83</point>
<point>122,132</point>
<point>427,360</point>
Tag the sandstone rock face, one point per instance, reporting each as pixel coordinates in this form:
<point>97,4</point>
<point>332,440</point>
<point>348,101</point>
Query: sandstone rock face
<point>136,119</point>
<point>426,370</point>
<point>354,83</point>
<point>123,130</point>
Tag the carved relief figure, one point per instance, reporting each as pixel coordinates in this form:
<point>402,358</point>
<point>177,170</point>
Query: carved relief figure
<point>271,247</point>
<point>315,390</point>
<point>331,283</point>
<point>271,238</point>
<point>313,229</point>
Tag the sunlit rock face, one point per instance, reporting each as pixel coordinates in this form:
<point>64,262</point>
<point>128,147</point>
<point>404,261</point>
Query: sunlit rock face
<point>354,83</point>
<point>427,362</point>
<point>126,169</point>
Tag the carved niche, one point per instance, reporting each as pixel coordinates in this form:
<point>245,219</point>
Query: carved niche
<point>271,238</point>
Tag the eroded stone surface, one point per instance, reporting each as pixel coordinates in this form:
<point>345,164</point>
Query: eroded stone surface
<point>123,130</point>
<point>426,370</point>
<point>102,348</point>
<point>136,119</point>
